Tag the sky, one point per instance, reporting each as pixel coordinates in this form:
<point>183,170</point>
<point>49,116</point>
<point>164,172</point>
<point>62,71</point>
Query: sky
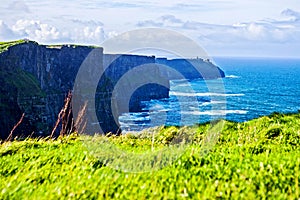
<point>244,28</point>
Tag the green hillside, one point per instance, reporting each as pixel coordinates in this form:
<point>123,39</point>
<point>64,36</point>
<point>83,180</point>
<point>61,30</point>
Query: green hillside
<point>258,159</point>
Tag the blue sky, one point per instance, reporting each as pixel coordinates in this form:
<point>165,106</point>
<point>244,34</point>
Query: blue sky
<point>222,27</point>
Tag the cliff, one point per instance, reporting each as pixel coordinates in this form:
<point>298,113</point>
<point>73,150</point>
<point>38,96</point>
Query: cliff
<point>36,78</point>
<point>190,69</point>
<point>127,86</point>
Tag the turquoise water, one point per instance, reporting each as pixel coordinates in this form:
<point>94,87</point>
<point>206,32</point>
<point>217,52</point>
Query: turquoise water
<point>253,87</point>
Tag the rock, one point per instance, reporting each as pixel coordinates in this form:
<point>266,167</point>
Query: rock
<point>36,78</point>
<point>190,69</point>
<point>53,70</point>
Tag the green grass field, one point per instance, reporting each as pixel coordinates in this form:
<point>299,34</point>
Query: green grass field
<point>258,159</point>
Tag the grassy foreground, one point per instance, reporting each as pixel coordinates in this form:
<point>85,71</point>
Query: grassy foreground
<point>258,159</point>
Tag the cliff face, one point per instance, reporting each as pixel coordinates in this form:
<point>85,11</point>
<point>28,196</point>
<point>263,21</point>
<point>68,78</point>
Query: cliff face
<point>139,75</point>
<point>52,70</point>
<point>36,78</point>
<point>128,86</point>
<point>190,69</point>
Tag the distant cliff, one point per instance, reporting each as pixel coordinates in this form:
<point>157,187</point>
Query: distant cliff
<point>35,79</point>
<point>190,69</point>
<point>131,91</point>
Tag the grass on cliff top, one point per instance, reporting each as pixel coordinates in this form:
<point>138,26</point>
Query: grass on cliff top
<point>258,159</point>
<point>70,45</point>
<point>5,45</point>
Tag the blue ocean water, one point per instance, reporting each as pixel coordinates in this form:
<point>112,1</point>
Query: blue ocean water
<point>253,87</point>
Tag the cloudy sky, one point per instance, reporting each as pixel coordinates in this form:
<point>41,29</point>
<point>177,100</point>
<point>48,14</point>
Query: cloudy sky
<point>221,27</point>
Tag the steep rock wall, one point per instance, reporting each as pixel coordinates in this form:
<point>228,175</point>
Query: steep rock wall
<point>35,79</point>
<point>47,73</point>
<point>54,68</point>
<point>128,86</point>
<point>190,69</point>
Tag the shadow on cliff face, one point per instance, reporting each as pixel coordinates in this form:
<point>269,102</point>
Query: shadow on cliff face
<point>124,85</point>
<point>20,93</point>
<point>34,80</point>
<point>12,115</point>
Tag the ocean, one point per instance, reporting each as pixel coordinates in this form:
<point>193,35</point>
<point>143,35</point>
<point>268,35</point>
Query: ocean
<point>253,87</point>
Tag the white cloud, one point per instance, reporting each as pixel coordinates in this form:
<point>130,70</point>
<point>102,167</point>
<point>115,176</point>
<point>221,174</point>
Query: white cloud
<point>18,6</point>
<point>5,32</point>
<point>295,16</point>
<point>112,34</point>
<point>87,22</point>
<point>171,19</point>
<point>211,24</point>
<point>46,33</point>
<point>163,21</point>
<point>89,35</point>
<point>36,30</point>
<point>262,31</point>
<point>149,23</point>
<point>259,37</point>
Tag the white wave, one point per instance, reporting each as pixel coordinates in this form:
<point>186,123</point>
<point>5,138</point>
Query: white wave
<point>142,118</point>
<point>132,125</point>
<point>156,107</point>
<point>215,112</point>
<point>213,102</point>
<point>159,110</point>
<point>232,76</point>
<point>206,94</point>
<point>206,104</point>
<point>125,117</point>
<point>218,102</point>
<point>193,107</point>
<point>164,110</point>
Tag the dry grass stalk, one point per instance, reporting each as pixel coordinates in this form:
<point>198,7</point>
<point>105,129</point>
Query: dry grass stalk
<point>14,128</point>
<point>66,117</point>
<point>81,120</point>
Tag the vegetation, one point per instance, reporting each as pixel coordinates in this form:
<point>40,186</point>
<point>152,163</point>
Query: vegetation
<point>58,46</point>
<point>5,45</point>
<point>17,86</point>
<point>25,83</point>
<point>258,159</point>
